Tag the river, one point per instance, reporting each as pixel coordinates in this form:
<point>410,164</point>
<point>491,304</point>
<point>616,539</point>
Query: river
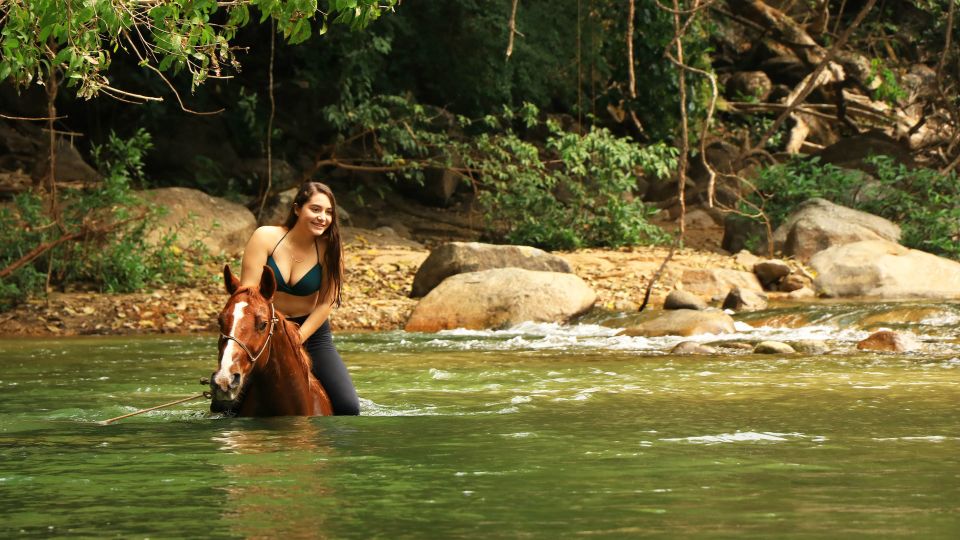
<point>541,431</point>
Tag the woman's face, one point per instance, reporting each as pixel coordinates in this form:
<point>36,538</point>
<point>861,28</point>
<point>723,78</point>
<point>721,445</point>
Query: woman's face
<point>316,214</point>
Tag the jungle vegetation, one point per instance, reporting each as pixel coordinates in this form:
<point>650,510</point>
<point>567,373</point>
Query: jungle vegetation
<point>568,123</point>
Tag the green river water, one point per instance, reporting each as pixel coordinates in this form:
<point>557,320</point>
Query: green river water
<point>543,431</point>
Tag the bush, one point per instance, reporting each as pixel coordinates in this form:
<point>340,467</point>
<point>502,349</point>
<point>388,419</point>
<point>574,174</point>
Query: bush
<point>117,260</point>
<point>925,203</point>
<point>582,197</point>
<point>565,192</point>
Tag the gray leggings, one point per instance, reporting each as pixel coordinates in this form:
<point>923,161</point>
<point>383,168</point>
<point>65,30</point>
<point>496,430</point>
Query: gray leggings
<point>330,370</point>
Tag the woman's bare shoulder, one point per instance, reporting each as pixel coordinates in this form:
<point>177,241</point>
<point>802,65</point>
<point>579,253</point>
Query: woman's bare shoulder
<point>267,235</point>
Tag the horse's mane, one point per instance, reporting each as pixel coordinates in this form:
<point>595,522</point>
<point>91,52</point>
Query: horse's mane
<point>289,331</point>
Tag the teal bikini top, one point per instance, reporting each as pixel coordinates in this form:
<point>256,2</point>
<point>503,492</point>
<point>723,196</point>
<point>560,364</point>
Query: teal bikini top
<point>310,282</point>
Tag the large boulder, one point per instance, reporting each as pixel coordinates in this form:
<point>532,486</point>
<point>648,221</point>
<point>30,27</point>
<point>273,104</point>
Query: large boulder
<point>684,322</point>
<point>818,224</point>
<point>219,225</point>
<point>499,298</point>
<point>70,165</point>
<point>715,283</point>
<point>884,270</point>
<point>462,257</point>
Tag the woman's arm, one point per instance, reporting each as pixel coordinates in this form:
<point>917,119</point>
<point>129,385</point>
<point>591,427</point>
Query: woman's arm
<point>255,256</point>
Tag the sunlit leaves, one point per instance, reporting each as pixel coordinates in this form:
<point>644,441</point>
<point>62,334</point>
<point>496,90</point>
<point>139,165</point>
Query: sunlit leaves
<point>76,38</point>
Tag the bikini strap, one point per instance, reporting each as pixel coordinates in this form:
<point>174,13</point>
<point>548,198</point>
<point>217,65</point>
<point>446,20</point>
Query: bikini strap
<point>278,242</point>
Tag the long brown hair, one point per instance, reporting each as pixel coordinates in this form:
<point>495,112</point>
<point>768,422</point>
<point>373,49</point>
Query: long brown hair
<point>333,255</point>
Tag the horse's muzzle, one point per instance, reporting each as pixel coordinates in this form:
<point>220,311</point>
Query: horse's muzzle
<point>224,401</point>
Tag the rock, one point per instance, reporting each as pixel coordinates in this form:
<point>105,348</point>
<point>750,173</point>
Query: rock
<point>739,299</point>
<point>277,209</point>
<point>379,238</point>
<point>746,259</point>
<point>770,271</point>
<point>818,224</point>
<point>683,300</point>
<point>698,218</point>
<point>739,231</point>
<point>70,166</point>
<point>735,345</point>
<point>811,346</point>
<point>684,322</point>
<point>692,347</point>
<point>437,187</point>
<point>499,298</point>
<point>220,225</point>
<point>888,341</point>
<point>462,257</point>
<point>792,282</point>
<point>886,270</point>
<point>851,152</point>
<point>773,347</point>
<point>803,292</point>
<point>747,85</point>
<point>715,283</point>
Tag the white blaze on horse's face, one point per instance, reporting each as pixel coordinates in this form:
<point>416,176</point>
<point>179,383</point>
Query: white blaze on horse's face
<point>227,364</point>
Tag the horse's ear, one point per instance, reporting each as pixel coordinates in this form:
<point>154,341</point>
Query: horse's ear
<point>230,281</point>
<point>268,283</point>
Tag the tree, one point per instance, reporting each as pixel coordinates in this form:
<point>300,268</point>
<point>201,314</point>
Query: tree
<point>48,42</point>
<point>75,39</point>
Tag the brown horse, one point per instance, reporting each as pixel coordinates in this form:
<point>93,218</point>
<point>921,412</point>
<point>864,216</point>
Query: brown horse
<point>262,369</point>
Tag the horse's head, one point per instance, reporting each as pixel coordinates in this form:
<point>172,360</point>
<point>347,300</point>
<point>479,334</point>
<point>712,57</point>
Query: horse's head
<point>247,323</point>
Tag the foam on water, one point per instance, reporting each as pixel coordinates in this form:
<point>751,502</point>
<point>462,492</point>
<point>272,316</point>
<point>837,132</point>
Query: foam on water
<point>745,436</point>
<point>552,336</point>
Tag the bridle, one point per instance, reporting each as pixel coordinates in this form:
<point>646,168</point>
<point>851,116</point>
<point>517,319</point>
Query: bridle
<point>266,344</point>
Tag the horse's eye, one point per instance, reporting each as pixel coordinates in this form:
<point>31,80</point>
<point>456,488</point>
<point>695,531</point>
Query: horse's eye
<point>262,325</point>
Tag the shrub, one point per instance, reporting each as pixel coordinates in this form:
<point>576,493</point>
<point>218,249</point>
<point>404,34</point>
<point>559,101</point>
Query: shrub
<point>582,197</point>
<point>925,203</point>
<point>118,260</point>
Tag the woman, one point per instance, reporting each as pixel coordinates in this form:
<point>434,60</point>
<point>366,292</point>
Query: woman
<point>306,256</point>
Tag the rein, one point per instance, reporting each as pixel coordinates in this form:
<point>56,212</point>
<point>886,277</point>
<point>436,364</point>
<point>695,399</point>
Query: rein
<point>266,344</point>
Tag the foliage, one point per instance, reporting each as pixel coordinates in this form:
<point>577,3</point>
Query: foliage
<point>15,241</point>
<point>924,202</point>
<point>582,198</point>
<point>781,187</point>
<point>552,189</point>
<point>121,260</point>
<point>77,38</point>
<point>889,89</point>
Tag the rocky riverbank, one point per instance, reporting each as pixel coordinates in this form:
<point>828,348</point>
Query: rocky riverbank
<point>380,270</point>
<point>850,255</point>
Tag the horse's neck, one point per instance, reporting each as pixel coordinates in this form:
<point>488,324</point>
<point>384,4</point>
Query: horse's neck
<point>284,378</point>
